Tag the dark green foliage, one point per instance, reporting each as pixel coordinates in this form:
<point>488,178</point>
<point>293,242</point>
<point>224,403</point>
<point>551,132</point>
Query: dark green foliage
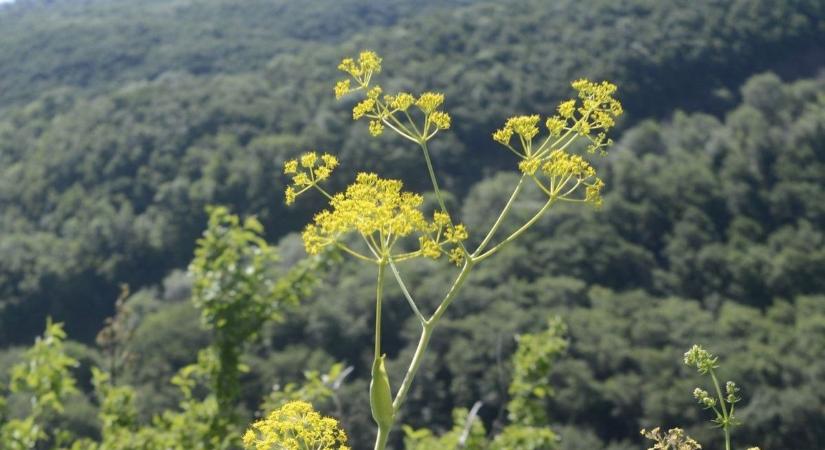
<point>104,180</point>
<point>120,121</point>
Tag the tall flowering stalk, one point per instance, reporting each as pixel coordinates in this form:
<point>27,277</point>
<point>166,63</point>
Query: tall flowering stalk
<point>383,217</point>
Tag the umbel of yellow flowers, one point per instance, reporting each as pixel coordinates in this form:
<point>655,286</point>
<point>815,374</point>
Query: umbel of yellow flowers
<point>375,220</point>
<point>295,426</point>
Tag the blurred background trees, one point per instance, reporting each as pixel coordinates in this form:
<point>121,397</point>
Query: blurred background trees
<point>121,121</point>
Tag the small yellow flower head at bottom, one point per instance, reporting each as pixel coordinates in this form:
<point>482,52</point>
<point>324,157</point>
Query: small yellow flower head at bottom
<point>296,425</point>
<point>440,119</point>
<point>376,128</point>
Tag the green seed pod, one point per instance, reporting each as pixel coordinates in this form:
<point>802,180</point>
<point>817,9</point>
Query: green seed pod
<point>381,394</point>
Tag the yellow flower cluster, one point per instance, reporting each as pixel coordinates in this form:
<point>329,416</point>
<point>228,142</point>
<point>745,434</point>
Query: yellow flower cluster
<point>442,235</point>
<point>589,117</point>
<point>374,207</point>
<point>595,109</point>
<point>428,102</point>
<point>295,426</point>
<point>361,71</point>
<point>562,169</point>
<point>306,172</point>
<point>385,112</point>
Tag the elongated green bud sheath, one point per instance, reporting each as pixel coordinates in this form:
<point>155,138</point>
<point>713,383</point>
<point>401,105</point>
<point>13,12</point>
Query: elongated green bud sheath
<point>381,395</point>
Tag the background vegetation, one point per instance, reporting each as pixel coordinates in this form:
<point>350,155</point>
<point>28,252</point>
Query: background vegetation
<point>120,121</point>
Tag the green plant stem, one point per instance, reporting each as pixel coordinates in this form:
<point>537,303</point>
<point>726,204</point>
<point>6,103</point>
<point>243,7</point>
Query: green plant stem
<point>379,290</point>
<point>516,233</point>
<point>501,216</point>
<point>381,438</point>
<point>406,292</point>
<point>437,191</point>
<point>725,416</point>
<point>426,334</point>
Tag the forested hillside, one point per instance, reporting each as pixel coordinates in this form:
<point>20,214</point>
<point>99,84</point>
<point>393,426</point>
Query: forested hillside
<point>120,121</point>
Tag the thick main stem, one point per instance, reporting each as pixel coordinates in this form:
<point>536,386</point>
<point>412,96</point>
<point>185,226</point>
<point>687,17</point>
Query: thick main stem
<point>383,432</point>
<point>379,290</point>
<point>381,439</point>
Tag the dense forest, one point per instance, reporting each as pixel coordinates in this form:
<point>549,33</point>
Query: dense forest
<point>122,121</point>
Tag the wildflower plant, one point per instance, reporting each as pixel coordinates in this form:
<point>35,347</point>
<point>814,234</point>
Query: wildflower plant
<point>370,218</point>
<point>722,403</point>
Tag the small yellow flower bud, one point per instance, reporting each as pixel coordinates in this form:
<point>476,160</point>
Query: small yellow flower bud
<point>291,167</point>
<point>503,135</point>
<point>402,101</point>
<point>566,109</point>
<point>322,173</point>
<point>364,107</point>
<point>456,256</point>
<point>441,218</point>
<point>289,193</point>
<point>529,166</point>
<point>429,101</point>
<point>374,93</point>
<point>308,159</point>
<point>440,119</point>
<point>429,248</point>
<point>555,125</point>
<point>376,127</point>
<point>369,62</point>
<point>342,88</point>
<point>456,234</point>
<point>348,65</point>
<point>301,179</point>
<point>329,160</point>
<point>524,126</point>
